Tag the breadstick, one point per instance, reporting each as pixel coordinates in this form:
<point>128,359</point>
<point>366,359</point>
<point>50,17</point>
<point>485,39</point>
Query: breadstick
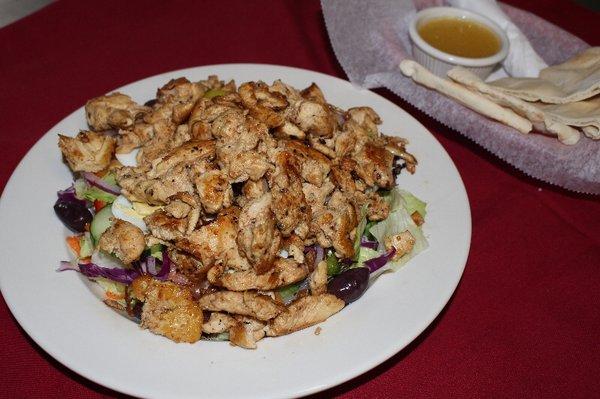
<point>475,101</point>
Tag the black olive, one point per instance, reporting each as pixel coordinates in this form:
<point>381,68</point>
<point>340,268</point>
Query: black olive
<point>73,214</point>
<point>349,285</point>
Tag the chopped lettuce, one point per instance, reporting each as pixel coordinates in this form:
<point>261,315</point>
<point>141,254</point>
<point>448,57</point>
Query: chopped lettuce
<point>112,290</point>
<point>333,264</point>
<point>360,229</point>
<point>288,293</point>
<point>224,336</point>
<point>403,199</point>
<point>364,255</point>
<point>83,190</point>
<point>367,232</point>
<point>212,93</point>
<point>402,205</point>
<point>156,251</point>
<point>110,178</point>
<point>87,246</point>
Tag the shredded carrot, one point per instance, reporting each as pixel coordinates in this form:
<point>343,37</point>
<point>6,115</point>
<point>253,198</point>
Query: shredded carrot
<point>74,243</point>
<point>114,296</point>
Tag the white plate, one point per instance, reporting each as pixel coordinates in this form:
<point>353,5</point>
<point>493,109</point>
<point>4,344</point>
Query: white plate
<point>61,314</point>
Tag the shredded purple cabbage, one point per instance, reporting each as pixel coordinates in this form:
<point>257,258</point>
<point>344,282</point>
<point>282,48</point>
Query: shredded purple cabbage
<point>151,265</point>
<point>319,255</point>
<point>366,243</point>
<point>119,274</point>
<point>165,268</point>
<point>377,263</point>
<point>68,195</point>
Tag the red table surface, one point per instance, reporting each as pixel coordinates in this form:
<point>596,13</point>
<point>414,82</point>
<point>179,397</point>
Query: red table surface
<point>525,318</point>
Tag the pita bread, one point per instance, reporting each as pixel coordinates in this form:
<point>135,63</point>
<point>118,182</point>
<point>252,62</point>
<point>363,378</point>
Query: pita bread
<point>584,114</point>
<point>574,80</point>
<point>470,99</point>
<point>541,120</point>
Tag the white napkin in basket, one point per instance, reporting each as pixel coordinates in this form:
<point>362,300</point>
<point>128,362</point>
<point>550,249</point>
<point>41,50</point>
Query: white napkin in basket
<point>522,60</point>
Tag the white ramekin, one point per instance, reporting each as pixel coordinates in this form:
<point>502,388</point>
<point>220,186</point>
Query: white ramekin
<point>440,62</point>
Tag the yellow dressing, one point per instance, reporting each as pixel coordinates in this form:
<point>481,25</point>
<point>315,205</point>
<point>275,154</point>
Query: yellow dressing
<point>461,37</point>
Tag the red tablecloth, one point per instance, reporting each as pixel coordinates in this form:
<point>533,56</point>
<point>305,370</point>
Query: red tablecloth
<point>524,320</point>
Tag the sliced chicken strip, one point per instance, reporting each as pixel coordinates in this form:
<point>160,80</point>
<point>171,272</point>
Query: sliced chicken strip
<point>246,303</point>
<point>304,312</point>
<point>218,323</point>
<point>285,272</point>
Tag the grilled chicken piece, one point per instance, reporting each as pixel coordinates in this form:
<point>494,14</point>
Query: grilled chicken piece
<point>213,82</point>
<point>290,93</point>
<point>204,114</point>
<point>182,94</point>
<point>263,103</point>
<point>304,312</point>
<point>164,226</point>
<point>169,309</point>
<point>136,185</point>
<point>113,111</point>
<point>289,130</point>
<point>314,166</point>
<point>285,272</point>
<point>347,180</point>
<point>317,196</point>
<point>188,153</point>
<point>324,145</point>
<point>124,240</point>
<point>135,137</point>
<point>365,117</point>
<point>258,238</point>
<point>334,225</point>
<point>179,216</point>
<point>238,130</point>
<point>246,303</point>
<point>397,146</point>
<point>218,323</point>
<point>318,279</point>
<point>215,242</point>
<point>247,165</point>
<point>352,137</point>
<point>403,243</point>
<point>246,332</point>
<point>288,202</point>
<point>238,138</point>
<point>161,133</point>
<point>88,151</point>
<point>377,207</point>
<point>254,189</point>
<point>190,267</point>
<point>168,175</point>
<point>312,117</point>
<point>375,166</point>
<point>214,191</point>
<point>294,245</point>
<point>313,93</point>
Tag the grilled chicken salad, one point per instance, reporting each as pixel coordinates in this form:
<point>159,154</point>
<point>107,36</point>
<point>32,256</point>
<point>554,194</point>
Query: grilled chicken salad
<point>233,213</point>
